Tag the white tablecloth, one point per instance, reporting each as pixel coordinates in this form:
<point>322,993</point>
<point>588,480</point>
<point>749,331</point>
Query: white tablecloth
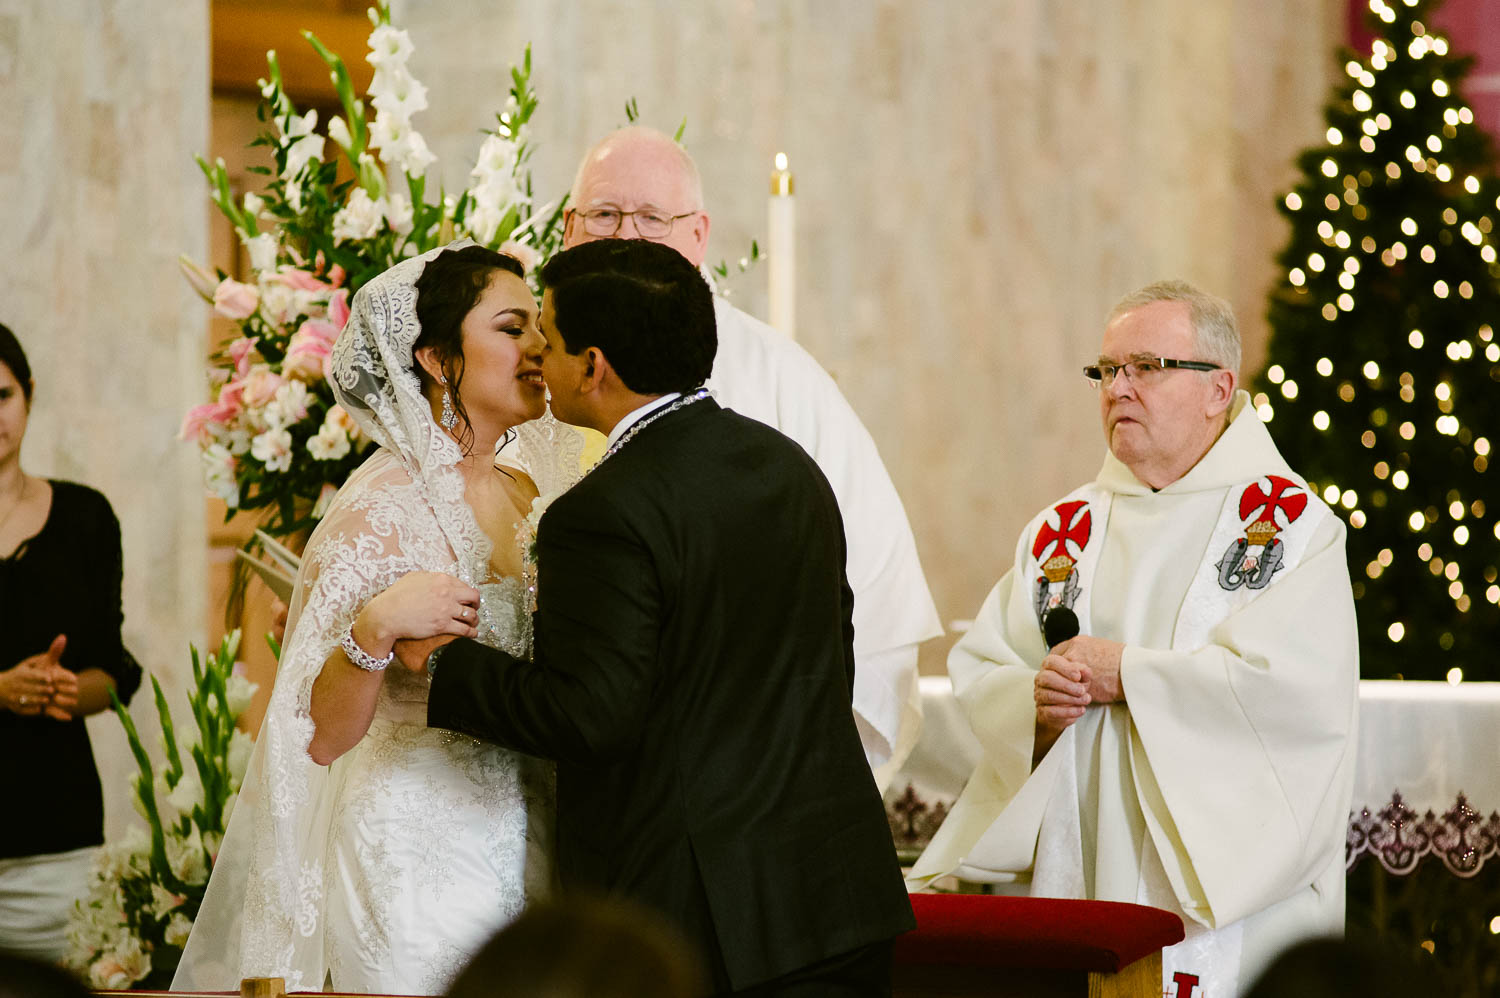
<point>1426,782</point>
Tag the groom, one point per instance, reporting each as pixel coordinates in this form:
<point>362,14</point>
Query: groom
<point>693,654</point>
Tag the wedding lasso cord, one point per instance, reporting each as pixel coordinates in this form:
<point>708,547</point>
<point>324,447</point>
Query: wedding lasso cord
<point>686,400</point>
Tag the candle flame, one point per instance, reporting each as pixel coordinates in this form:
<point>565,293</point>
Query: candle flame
<point>781,161</point>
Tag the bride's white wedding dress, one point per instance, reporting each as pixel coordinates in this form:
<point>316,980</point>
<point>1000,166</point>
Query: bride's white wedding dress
<point>435,839</point>
<point>385,871</point>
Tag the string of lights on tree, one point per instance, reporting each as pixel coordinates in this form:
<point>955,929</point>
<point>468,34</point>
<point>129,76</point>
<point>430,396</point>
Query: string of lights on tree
<point>1384,367</point>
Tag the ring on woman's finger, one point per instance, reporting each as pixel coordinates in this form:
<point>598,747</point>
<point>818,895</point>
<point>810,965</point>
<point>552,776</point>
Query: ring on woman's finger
<point>24,699</point>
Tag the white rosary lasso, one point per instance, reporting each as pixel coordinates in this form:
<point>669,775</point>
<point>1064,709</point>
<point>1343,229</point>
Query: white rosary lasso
<point>686,400</point>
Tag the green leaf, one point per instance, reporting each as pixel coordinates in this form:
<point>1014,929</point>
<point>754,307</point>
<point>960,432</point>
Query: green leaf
<point>174,758</point>
<point>353,109</point>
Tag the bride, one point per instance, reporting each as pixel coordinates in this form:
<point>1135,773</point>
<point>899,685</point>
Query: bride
<point>368,851</point>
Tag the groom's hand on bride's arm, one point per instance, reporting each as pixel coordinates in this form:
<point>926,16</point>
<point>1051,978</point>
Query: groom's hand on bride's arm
<point>413,652</point>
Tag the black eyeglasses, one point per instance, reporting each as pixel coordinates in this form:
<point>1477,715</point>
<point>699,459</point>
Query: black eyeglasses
<point>650,223</point>
<point>1142,371</point>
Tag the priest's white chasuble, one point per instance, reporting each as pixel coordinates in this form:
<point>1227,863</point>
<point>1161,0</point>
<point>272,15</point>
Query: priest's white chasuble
<point>761,373</point>
<point>1220,788</point>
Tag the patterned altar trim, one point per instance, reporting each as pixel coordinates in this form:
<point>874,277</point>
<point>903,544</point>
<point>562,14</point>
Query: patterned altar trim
<point>1399,839</point>
<point>914,820</point>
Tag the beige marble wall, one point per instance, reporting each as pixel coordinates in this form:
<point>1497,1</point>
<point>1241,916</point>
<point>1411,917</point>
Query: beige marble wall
<point>977,182</point>
<point>105,101</point>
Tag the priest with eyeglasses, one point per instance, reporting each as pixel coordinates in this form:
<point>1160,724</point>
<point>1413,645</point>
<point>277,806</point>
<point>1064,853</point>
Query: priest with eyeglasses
<point>1187,740</point>
<point>638,183</point>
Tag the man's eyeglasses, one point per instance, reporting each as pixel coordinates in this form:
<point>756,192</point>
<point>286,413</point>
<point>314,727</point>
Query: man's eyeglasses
<point>650,223</point>
<point>1143,371</point>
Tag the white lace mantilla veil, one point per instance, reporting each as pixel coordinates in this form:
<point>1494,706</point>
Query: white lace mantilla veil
<point>403,510</point>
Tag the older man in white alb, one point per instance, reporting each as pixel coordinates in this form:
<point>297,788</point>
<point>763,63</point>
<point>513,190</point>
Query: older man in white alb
<point>639,183</point>
<point>1193,747</point>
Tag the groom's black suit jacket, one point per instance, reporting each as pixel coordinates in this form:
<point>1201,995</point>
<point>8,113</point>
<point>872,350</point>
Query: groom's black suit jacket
<point>693,670</point>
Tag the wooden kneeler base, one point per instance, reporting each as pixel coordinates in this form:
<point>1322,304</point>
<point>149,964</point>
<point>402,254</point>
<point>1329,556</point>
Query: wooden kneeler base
<point>1141,979</point>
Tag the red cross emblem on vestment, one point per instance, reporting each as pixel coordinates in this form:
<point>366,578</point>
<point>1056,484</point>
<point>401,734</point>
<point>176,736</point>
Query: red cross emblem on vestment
<point>1069,537</point>
<point>1278,507</point>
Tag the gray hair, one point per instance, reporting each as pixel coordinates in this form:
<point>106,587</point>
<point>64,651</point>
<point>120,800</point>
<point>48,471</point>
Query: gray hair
<point>1216,336</point>
<point>685,161</point>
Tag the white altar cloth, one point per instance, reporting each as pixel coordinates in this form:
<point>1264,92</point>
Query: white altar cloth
<point>1426,782</point>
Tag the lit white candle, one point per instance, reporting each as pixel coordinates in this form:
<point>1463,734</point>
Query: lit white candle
<point>781,245</point>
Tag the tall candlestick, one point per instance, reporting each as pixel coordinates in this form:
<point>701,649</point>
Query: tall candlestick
<point>781,244</point>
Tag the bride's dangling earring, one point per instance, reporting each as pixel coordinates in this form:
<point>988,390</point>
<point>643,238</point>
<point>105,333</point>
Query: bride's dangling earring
<point>450,418</point>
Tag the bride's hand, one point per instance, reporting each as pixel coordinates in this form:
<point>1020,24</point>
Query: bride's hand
<point>418,605</point>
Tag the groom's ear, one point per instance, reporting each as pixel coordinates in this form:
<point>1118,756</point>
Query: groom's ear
<point>595,365</point>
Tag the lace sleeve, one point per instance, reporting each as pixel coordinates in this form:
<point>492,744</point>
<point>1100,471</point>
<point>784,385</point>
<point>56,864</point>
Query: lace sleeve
<point>263,912</point>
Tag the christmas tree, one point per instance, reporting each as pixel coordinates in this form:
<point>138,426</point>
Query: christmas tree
<point>1381,384</point>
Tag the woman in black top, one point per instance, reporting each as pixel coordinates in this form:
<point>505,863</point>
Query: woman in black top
<point>61,655</point>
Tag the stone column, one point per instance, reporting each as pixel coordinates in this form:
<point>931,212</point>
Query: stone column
<point>106,102</point>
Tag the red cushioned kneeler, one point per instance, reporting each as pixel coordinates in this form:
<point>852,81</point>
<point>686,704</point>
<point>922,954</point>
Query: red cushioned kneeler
<point>977,944</point>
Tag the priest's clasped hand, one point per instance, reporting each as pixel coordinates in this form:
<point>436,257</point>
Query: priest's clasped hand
<point>1101,660</point>
<point>1061,691</point>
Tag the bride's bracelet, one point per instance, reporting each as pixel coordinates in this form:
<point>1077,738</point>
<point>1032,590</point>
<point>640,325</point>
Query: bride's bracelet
<point>362,658</point>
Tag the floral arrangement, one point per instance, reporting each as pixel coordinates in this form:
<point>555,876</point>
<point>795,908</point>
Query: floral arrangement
<point>145,890</point>
<point>273,438</point>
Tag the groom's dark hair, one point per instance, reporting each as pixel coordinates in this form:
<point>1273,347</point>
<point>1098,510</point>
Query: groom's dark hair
<point>643,305</point>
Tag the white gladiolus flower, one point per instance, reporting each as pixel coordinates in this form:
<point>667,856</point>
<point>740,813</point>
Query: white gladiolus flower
<point>482,221</point>
<point>411,154</point>
<point>237,693</point>
<point>387,131</point>
<point>240,747</point>
<point>254,203</point>
<point>273,448</point>
<point>338,131</point>
<point>177,930</point>
<point>397,93</point>
<point>389,46</point>
<point>497,190</point>
<point>294,127</point>
<point>496,155</point>
<point>188,793</point>
<point>398,214</point>
<point>262,250</point>
<point>359,218</point>
<point>302,152</point>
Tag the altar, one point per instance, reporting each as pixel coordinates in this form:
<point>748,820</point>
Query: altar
<point>1426,782</point>
<point>1422,855</point>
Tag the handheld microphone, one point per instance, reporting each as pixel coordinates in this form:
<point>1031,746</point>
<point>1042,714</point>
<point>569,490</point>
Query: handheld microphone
<point>1058,625</point>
